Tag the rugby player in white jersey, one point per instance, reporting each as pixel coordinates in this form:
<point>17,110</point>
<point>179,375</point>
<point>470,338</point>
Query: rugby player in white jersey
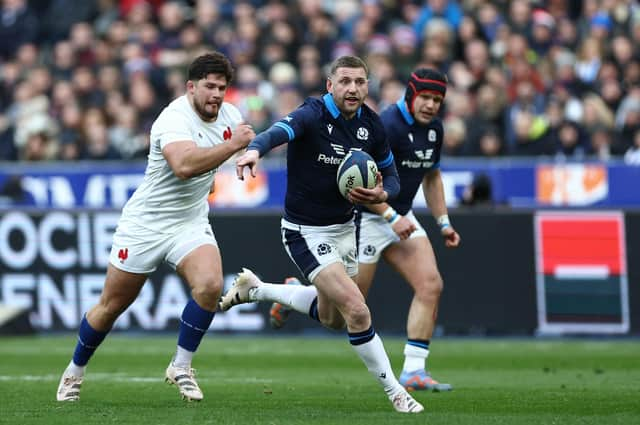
<point>166,219</point>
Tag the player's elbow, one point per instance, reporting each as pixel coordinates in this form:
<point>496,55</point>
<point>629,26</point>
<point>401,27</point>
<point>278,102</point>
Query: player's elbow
<point>184,172</point>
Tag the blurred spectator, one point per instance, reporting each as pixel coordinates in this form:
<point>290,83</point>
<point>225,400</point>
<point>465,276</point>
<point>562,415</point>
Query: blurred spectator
<point>455,132</point>
<point>632,155</point>
<point>479,192</point>
<point>571,140</point>
<point>490,144</point>
<point>542,32</point>
<point>404,50</point>
<point>601,142</point>
<point>61,15</point>
<point>124,136</point>
<point>589,60</point>
<point>449,10</point>
<point>531,135</point>
<point>96,138</point>
<point>13,194</point>
<point>18,26</point>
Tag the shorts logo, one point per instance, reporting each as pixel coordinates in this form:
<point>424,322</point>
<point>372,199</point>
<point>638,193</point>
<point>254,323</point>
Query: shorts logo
<point>369,250</point>
<point>324,248</point>
<point>123,254</point>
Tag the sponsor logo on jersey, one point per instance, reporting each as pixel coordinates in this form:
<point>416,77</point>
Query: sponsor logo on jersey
<point>334,160</point>
<point>339,149</point>
<point>329,128</point>
<point>424,155</point>
<point>288,118</point>
<point>362,134</point>
<point>410,135</point>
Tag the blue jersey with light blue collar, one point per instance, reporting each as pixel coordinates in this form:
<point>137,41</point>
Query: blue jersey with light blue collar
<point>319,137</point>
<point>416,149</point>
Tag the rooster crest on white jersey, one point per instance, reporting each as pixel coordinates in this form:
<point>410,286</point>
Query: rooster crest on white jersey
<point>358,169</point>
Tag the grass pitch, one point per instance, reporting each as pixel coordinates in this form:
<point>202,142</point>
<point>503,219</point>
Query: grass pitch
<point>260,380</point>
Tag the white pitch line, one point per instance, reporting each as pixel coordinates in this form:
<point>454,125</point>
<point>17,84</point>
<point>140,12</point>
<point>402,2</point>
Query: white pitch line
<point>105,377</point>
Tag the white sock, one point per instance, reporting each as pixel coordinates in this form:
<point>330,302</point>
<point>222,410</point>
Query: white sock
<point>375,358</point>
<point>182,358</point>
<point>76,370</point>
<point>297,297</point>
<point>415,358</point>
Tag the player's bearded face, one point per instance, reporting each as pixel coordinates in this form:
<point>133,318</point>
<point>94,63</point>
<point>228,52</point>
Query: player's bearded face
<point>349,87</point>
<point>207,95</point>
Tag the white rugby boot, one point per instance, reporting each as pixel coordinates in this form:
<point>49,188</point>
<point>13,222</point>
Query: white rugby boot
<point>240,291</point>
<point>185,379</point>
<point>69,387</point>
<point>404,403</point>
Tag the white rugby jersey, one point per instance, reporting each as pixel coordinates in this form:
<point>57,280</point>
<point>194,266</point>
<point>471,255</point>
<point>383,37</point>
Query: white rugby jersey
<point>163,202</point>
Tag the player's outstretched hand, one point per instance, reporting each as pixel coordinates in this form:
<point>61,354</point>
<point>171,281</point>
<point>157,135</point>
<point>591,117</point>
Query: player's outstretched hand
<point>248,159</point>
<point>451,237</point>
<point>242,135</point>
<point>361,195</point>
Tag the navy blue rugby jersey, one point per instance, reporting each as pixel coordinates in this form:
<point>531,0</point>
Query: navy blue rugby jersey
<point>319,139</point>
<point>416,150</point>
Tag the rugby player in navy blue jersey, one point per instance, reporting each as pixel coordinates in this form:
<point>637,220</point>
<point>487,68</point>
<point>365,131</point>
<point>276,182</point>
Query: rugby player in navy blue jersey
<point>318,229</point>
<point>390,229</point>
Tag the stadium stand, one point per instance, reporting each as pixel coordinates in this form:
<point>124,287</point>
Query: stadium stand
<point>84,80</point>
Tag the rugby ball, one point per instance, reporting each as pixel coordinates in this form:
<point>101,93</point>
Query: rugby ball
<point>357,169</point>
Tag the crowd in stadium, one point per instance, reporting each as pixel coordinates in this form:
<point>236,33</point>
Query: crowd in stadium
<point>560,78</point>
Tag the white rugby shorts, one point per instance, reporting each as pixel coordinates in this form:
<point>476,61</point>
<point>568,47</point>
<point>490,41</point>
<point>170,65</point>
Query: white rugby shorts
<point>137,249</point>
<point>312,248</point>
<point>375,234</point>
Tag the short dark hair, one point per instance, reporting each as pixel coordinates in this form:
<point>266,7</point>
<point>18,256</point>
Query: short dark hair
<point>210,63</point>
<point>348,62</point>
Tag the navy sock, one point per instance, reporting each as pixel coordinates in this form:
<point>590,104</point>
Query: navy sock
<point>193,324</point>
<point>313,310</point>
<point>88,340</point>
<point>359,338</point>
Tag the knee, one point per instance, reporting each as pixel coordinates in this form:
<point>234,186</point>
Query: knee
<point>357,315</point>
<point>206,292</point>
<point>430,289</point>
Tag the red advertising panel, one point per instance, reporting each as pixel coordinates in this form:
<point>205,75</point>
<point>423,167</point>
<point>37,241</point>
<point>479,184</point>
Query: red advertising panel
<point>581,272</point>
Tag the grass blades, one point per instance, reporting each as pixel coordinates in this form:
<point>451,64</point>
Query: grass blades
<point>301,380</point>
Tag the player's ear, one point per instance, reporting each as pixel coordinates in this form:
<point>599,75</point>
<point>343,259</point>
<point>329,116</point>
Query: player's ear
<point>329,85</point>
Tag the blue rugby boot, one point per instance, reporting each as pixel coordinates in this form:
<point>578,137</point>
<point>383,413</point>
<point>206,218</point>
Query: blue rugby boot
<point>421,380</point>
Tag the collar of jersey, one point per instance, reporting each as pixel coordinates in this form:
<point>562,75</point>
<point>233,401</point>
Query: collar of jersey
<point>333,109</point>
<point>402,105</point>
